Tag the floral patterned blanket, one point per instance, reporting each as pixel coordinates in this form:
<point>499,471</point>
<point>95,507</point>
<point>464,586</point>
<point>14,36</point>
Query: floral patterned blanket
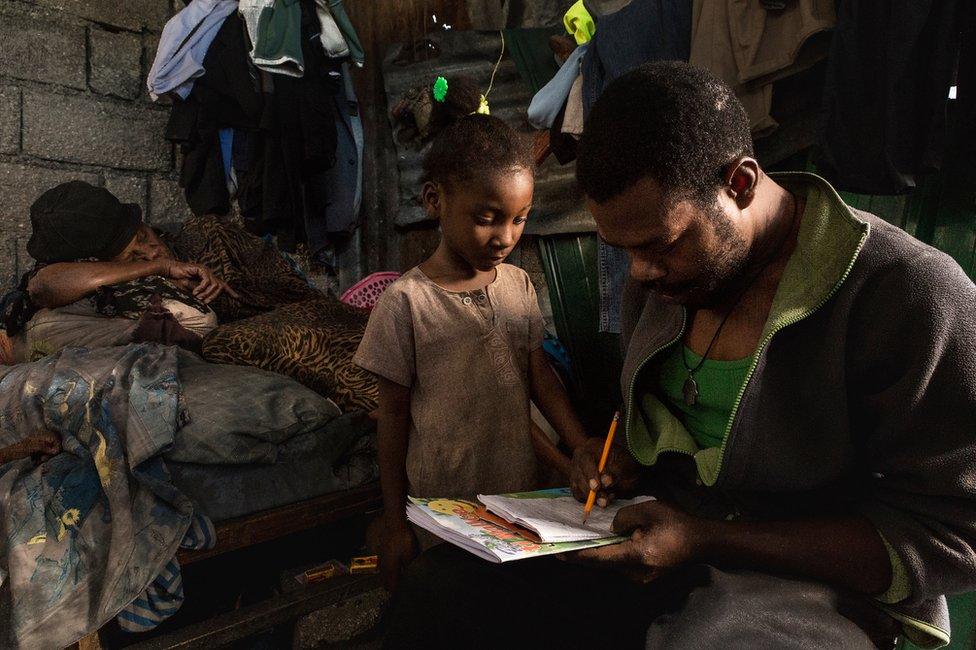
<point>85,534</point>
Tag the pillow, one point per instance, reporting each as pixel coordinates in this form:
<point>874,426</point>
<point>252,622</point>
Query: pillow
<point>312,341</point>
<point>74,325</point>
<point>241,415</point>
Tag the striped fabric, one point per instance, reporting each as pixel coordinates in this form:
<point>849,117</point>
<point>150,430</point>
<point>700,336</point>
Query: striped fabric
<point>164,596</point>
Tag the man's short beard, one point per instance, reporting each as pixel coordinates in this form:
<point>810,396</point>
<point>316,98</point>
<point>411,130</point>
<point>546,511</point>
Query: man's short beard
<point>723,268</point>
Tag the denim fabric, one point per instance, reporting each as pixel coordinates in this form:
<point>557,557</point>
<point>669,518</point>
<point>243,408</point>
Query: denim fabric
<point>183,44</point>
<point>550,100</point>
<point>226,137</point>
<point>340,188</point>
<point>614,268</point>
<point>643,31</point>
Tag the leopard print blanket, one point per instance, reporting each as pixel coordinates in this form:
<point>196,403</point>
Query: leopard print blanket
<point>279,323</point>
<point>312,341</point>
<point>255,269</point>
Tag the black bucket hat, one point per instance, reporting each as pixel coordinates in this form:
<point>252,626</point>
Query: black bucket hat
<point>77,220</point>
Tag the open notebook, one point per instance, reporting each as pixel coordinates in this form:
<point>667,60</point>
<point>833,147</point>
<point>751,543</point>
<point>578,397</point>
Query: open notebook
<point>554,515</point>
<point>497,537</point>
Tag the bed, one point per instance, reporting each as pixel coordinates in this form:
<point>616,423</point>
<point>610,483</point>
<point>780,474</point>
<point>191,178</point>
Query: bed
<point>153,436</point>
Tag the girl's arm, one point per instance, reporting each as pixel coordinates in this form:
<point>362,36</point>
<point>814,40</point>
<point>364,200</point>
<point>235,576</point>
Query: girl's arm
<point>393,427</point>
<point>553,402</point>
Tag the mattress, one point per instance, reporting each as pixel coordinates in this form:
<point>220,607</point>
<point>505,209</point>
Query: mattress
<point>338,456</point>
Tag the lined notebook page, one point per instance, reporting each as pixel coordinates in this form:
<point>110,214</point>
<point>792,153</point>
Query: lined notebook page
<point>557,519</point>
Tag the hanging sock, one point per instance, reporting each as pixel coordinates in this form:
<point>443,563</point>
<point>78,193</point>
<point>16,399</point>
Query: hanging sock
<point>579,23</point>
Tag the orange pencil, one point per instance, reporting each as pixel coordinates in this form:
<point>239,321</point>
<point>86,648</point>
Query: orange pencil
<point>591,499</point>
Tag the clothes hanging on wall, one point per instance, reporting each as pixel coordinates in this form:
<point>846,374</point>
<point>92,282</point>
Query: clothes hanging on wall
<point>643,31</point>
<point>289,149</point>
<point>274,27</point>
<point>573,116</point>
<point>579,23</point>
<point>749,46</point>
<point>333,42</point>
<point>547,103</point>
<point>890,68</point>
<point>356,52</point>
<point>338,190</point>
<point>183,45</point>
<point>224,97</point>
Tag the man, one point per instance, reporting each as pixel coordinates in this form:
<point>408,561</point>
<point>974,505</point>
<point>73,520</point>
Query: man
<point>800,388</point>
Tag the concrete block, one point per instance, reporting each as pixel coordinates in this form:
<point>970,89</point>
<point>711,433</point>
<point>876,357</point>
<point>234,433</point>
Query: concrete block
<point>14,261</point>
<point>115,63</point>
<point>128,189</point>
<point>36,48</point>
<point>20,185</point>
<point>167,203</point>
<point>341,623</point>
<point>83,129</point>
<point>9,119</point>
<point>129,14</point>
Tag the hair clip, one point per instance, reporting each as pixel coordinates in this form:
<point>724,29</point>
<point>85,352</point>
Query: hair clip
<point>440,89</point>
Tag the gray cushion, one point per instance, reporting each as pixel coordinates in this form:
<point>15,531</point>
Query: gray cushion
<point>240,414</point>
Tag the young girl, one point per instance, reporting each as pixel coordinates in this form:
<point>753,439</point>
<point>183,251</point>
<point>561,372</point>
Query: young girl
<point>456,343</point>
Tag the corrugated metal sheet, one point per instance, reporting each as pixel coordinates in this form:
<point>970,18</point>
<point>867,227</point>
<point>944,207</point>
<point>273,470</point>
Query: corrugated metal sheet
<point>558,205</point>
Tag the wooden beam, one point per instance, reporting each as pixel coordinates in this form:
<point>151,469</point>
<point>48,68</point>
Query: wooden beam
<point>275,523</point>
<point>238,624</point>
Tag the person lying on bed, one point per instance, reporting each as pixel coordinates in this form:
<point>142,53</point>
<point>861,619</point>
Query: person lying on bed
<point>84,238</point>
<point>86,242</point>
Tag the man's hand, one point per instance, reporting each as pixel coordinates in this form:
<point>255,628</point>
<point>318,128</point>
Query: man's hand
<point>662,537</point>
<point>398,549</point>
<point>620,474</point>
<point>201,280</point>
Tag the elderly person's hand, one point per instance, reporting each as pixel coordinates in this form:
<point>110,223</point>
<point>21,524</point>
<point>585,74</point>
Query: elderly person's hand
<point>661,537</point>
<point>620,475</point>
<point>204,284</point>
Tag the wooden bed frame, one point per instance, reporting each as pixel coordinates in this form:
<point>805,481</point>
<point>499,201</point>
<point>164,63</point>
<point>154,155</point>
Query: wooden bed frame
<point>258,528</point>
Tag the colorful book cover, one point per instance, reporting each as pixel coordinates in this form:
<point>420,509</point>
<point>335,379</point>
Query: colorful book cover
<point>457,521</point>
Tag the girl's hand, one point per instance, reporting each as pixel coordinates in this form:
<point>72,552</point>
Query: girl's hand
<point>398,549</point>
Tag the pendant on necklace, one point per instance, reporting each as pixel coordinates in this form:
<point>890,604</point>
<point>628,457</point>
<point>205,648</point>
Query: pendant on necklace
<point>690,390</point>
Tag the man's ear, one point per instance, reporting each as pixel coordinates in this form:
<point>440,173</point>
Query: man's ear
<point>431,199</point>
<point>741,178</point>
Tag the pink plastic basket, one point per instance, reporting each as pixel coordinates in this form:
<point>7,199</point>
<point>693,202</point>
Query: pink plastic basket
<point>367,291</point>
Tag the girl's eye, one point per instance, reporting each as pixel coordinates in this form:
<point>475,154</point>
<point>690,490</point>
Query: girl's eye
<point>520,220</point>
<point>483,221</point>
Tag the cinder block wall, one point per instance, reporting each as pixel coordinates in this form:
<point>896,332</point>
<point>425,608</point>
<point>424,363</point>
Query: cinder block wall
<point>73,105</point>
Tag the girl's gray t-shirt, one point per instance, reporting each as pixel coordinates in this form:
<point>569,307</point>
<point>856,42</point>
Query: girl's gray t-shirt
<point>465,357</point>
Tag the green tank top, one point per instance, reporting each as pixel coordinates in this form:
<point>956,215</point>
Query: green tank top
<point>718,386</point>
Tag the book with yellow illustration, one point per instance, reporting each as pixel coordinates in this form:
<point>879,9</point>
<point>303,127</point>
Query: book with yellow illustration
<point>503,528</point>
